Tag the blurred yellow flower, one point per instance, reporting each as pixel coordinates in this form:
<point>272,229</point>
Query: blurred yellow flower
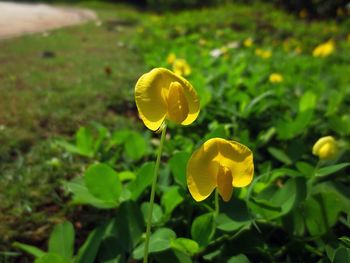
<point>325,148</point>
<point>181,67</point>
<point>248,42</point>
<point>275,78</point>
<point>265,54</point>
<point>202,42</point>
<point>303,13</point>
<point>171,58</point>
<point>220,164</point>
<point>324,49</point>
<point>161,94</point>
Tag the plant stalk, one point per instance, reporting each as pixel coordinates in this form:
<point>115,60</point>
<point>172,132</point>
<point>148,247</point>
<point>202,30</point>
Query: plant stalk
<point>153,191</point>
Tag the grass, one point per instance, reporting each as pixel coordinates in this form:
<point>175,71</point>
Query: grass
<point>50,85</point>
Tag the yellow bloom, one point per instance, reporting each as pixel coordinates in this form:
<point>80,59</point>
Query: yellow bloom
<point>325,148</point>
<point>181,67</point>
<point>248,42</point>
<point>265,54</point>
<point>324,50</point>
<point>275,78</point>
<point>219,163</point>
<point>303,13</point>
<point>171,58</point>
<point>160,94</point>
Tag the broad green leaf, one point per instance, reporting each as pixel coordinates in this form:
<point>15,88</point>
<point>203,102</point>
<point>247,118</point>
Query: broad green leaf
<point>324,171</point>
<point>52,258</point>
<point>159,241</point>
<point>178,164</point>
<point>345,240</point>
<point>305,168</point>
<point>126,176</point>
<point>135,145</point>
<point>241,258</point>
<point>187,246</point>
<point>36,252</point>
<point>110,251</point>
<point>340,124</point>
<point>143,179</point>
<point>88,251</point>
<point>341,255</point>
<point>157,215</point>
<point>103,182</point>
<point>233,219</point>
<point>171,199</point>
<point>274,202</point>
<point>61,240</point>
<point>280,155</point>
<point>82,196</point>
<point>172,256</point>
<point>321,213</point>
<point>85,142</point>
<point>203,229</point>
<point>129,225</point>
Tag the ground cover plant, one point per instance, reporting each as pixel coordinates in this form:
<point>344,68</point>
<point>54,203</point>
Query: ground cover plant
<point>267,80</point>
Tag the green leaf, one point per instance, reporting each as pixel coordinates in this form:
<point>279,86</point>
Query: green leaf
<point>82,196</point>
<point>178,164</point>
<point>85,142</point>
<point>324,171</point>
<point>88,251</point>
<point>143,179</point>
<point>274,202</point>
<point>103,182</point>
<point>159,241</point>
<point>233,219</point>
<point>126,176</point>
<point>341,255</point>
<point>157,214</point>
<point>321,213</point>
<point>345,240</point>
<point>241,258</point>
<point>305,168</point>
<point>135,146</point>
<point>51,258</point>
<point>203,229</point>
<point>187,246</point>
<point>279,155</point>
<point>171,199</point>
<point>36,252</point>
<point>172,256</point>
<point>129,225</point>
<point>110,251</point>
<point>61,240</point>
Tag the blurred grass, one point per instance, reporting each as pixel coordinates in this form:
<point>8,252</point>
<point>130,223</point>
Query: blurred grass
<point>50,84</point>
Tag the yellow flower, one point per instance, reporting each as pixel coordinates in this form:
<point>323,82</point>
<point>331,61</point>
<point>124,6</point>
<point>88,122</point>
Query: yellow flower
<point>248,42</point>
<point>265,54</point>
<point>171,58</point>
<point>325,148</point>
<point>275,78</point>
<point>181,67</point>
<point>160,94</point>
<point>303,13</point>
<point>219,163</point>
<point>324,50</point>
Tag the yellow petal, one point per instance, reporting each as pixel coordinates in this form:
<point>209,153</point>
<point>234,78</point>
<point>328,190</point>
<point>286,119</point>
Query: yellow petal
<point>149,98</point>
<point>238,158</point>
<point>224,182</point>
<point>325,148</point>
<point>151,94</point>
<point>201,171</point>
<point>177,103</point>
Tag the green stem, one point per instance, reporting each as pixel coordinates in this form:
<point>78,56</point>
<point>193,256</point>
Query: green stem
<point>217,207</point>
<point>153,191</point>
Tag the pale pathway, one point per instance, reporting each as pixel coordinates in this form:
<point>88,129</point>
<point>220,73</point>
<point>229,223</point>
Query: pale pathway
<point>18,19</point>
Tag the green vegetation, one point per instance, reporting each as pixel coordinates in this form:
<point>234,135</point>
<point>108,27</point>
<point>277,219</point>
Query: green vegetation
<point>261,82</point>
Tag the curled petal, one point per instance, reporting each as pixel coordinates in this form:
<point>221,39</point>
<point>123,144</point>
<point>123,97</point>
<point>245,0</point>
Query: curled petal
<point>177,103</point>
<point>224,182</point>
<point>151,95</point>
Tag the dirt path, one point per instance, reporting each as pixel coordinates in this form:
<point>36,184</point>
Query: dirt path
<point>19,19</point>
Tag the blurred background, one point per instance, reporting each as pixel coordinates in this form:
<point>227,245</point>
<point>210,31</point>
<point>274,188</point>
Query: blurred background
<point>273,75</point>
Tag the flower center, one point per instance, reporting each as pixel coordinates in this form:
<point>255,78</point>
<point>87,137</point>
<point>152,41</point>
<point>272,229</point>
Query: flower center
<point>177,103</point>
<point>224,182</point>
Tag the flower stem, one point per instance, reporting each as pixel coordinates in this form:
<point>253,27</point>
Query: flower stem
<point>153,191</point>
<point>217,207</point>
